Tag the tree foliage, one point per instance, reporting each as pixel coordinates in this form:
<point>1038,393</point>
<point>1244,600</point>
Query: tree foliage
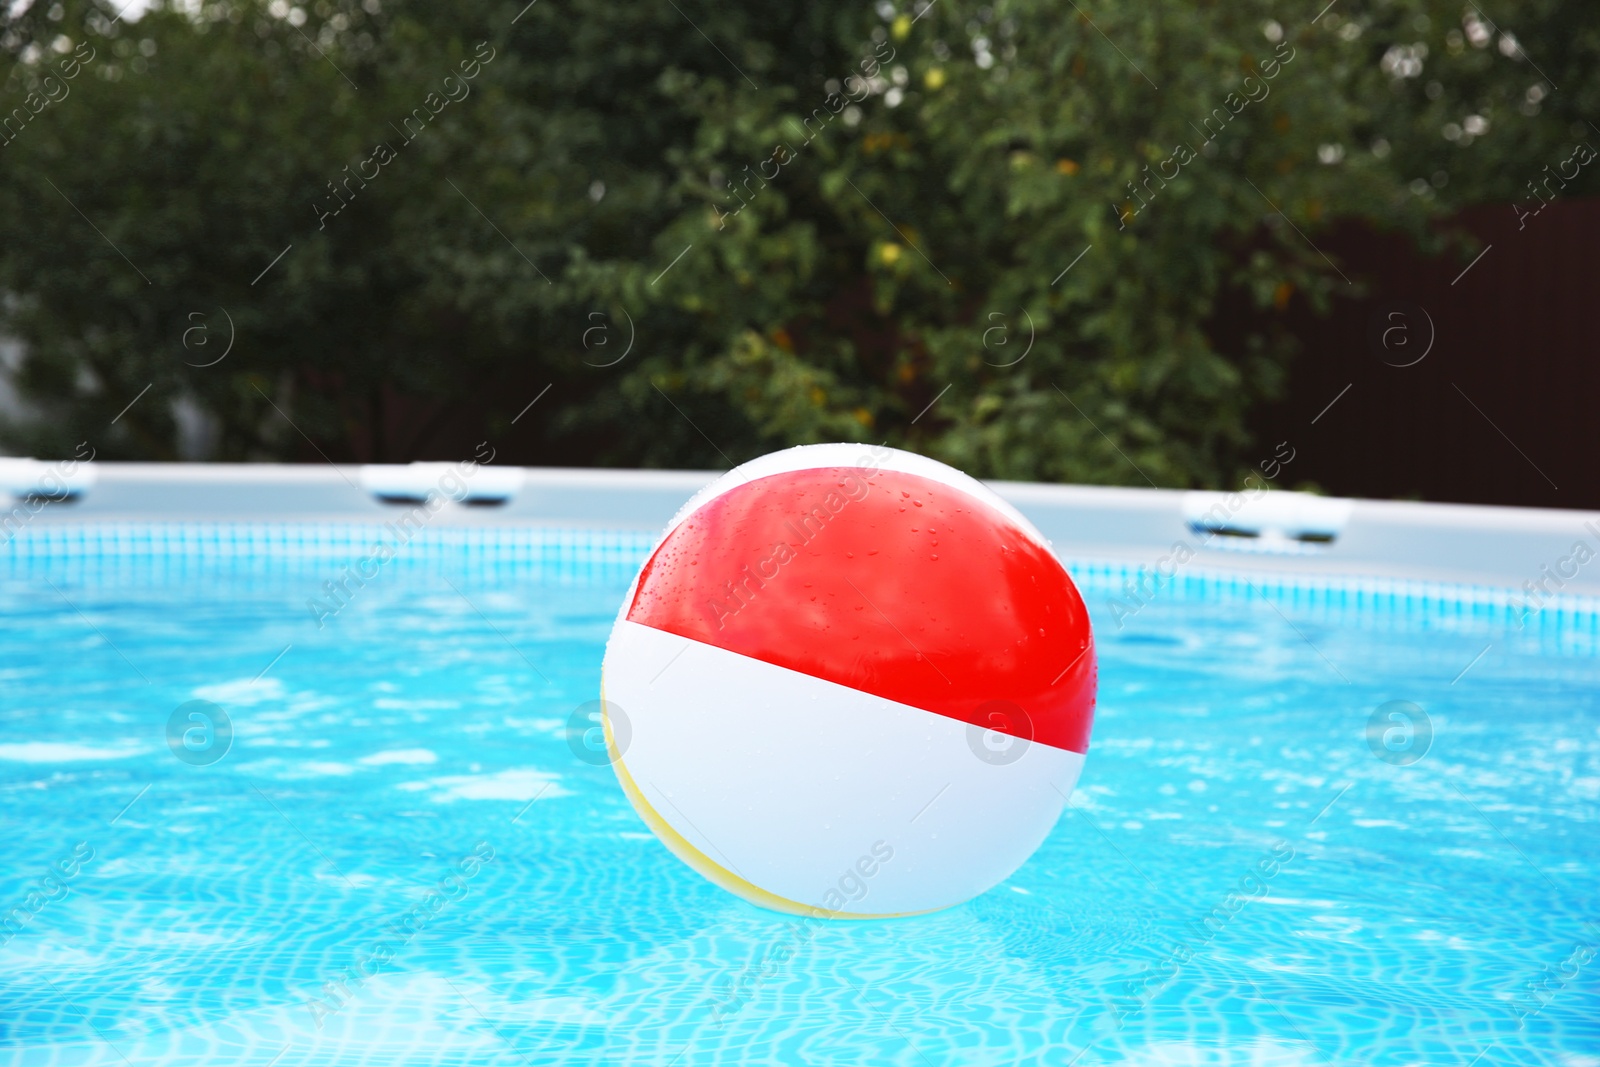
<point>996,235</point>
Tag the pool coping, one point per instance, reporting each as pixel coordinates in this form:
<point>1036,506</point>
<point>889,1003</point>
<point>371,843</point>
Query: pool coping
<point>1517,549</point>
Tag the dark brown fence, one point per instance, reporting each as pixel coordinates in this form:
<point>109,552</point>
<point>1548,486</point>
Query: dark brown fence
<point>1475,382</point>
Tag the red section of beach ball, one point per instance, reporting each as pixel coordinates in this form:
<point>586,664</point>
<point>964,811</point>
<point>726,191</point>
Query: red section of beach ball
<point>888,582</point>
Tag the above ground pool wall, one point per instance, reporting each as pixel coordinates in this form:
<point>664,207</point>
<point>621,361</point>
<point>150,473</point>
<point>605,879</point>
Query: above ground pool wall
<point>1264,531</point>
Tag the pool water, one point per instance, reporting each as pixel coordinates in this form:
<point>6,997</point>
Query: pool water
<point>399,858</point>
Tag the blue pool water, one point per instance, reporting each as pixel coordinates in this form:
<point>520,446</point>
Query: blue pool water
<point>400,860</point>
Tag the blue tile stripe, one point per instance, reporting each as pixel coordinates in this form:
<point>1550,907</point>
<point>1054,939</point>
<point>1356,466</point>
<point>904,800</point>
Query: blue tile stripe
<point>158,551</point>
<point>163,551</point>
<point>1336,595</point>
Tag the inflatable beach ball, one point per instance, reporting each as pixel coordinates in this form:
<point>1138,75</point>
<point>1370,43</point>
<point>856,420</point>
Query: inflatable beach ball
<point>850,682</point>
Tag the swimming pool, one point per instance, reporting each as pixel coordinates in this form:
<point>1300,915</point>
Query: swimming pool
<point>405,854</point>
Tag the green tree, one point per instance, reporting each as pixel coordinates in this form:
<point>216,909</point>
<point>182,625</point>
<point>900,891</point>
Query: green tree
<point>811,223</point>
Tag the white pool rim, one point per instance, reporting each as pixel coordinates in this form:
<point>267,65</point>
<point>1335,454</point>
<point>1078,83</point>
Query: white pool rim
<point>1524,552</point>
